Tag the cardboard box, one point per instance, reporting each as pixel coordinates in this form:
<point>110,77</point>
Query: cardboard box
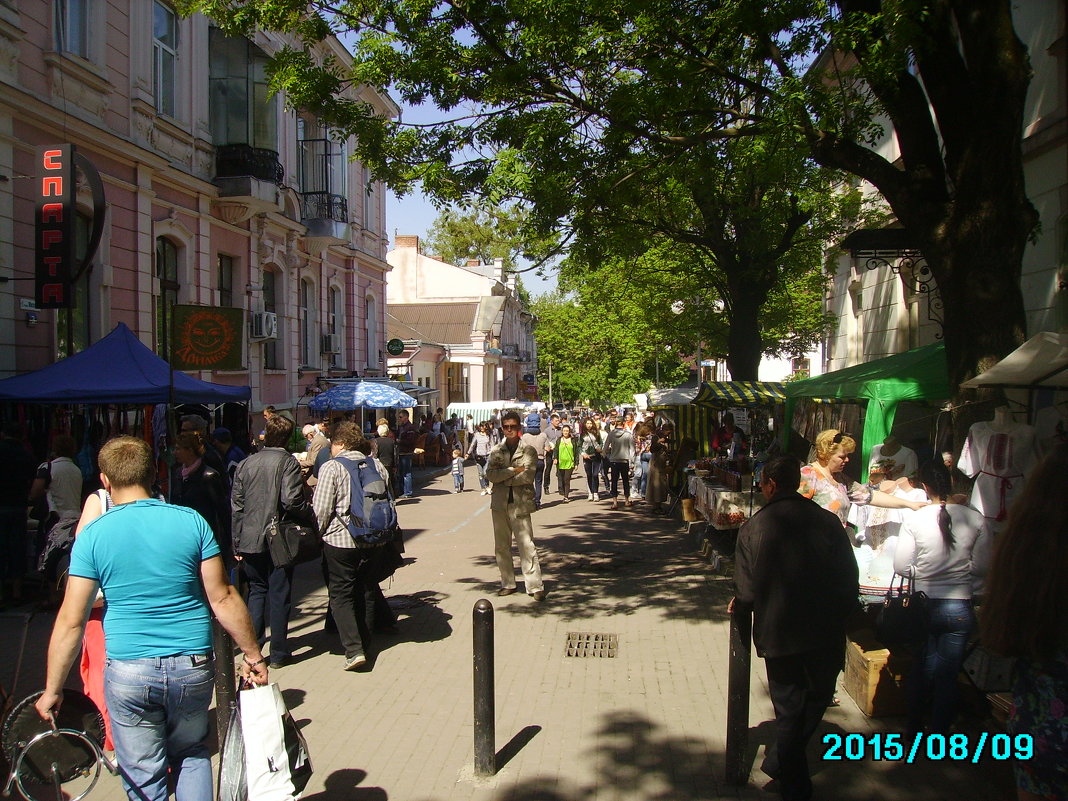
<point>874,677</point>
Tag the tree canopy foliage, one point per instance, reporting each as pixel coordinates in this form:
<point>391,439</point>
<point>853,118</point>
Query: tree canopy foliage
<point>546,98</point>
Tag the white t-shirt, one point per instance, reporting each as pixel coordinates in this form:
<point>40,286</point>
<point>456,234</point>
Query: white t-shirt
<point>65,489</point>
<point>903,459</point>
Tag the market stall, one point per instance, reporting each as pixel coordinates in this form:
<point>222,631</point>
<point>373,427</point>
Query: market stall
<point>917,374</point>
<point>117,369</point>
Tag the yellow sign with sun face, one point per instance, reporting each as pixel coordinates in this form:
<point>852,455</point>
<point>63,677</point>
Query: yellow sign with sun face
<point>207,338</point>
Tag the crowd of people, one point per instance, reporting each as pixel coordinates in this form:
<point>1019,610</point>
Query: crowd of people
<point>795,571</point>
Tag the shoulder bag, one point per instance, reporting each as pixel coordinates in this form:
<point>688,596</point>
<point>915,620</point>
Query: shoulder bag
<point>903,618</point>
<point>289,542</point>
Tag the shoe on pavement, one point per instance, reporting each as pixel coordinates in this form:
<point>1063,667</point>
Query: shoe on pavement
<point>485,492</point>
<point>538,596</point>
<point>503,591</point>
<point>355,662</point>
<point>589,496</point>
<point>279,662</point>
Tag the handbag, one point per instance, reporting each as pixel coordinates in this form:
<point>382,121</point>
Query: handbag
<point>289,542</point>
<point>277,764</point>
<point>292,543</point>
<point>903,618</point>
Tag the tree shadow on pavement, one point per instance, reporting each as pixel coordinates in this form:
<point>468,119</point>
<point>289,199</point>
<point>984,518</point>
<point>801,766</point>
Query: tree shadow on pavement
<point>616,563</point>
<point>636,760</point>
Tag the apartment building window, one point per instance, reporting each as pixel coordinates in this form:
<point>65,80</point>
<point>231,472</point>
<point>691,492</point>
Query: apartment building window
<point>167,273</point>
<point>371,323</point>
<point>242,110</point>
<point>72,27</point>
<point>271,350</point>
<point>368,200</point>
<point>333,321</point>
<point>226,281</point>
<point>308,343</point>
<point>164,57</point>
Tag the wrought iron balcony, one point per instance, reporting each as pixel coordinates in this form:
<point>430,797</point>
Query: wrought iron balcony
<point>324,206</point>
<point>233,161</point>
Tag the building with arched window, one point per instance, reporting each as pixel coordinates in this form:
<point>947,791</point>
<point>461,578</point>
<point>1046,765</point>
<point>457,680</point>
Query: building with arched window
<point>216,195</point>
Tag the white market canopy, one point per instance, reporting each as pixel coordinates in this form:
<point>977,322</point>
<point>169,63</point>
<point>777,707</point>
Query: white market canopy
<point>1040,362</point>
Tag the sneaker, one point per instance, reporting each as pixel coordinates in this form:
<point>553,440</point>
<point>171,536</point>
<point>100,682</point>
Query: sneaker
<point>355,662</point>
<point>589,496</point>
<point>484,492</point>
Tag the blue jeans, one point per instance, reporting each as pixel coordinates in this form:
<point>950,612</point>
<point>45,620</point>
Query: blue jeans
<point>159,719</point>
<point>480,462</point>
<point>641,473</point>
<point>404,473</point>
<point>458,482</point>
<point>937,663</point>
<point>539,472</point>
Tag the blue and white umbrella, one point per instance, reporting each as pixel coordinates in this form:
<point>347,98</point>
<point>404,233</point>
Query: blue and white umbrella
<point>361,395</point>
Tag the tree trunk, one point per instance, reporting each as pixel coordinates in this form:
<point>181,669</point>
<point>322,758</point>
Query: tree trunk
<point>745,344</point>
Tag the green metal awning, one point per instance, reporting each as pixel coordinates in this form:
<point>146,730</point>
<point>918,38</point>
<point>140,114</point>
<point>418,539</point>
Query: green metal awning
<point>718,394</point>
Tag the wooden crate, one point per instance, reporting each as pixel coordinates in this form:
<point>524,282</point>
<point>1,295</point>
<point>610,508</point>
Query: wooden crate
<point>874,678</point>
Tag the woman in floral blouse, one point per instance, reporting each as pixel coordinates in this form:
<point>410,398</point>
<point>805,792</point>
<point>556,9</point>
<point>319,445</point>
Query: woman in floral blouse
<point>821,480</point>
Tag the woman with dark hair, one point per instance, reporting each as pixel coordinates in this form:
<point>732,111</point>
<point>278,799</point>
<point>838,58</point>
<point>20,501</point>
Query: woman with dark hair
<point>201,487</point>
<point>944,548</point>
<point>593,439</point>
<point>1025,615</point>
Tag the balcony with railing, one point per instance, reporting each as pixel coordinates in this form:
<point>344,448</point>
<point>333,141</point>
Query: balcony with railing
<point>235,161</point>
<point>323,190</point>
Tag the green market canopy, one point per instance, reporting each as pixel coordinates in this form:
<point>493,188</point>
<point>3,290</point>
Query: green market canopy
<point>719,394</point>
<point>917,374</point>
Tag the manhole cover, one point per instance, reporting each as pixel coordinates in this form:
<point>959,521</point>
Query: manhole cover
<point>584,644</point>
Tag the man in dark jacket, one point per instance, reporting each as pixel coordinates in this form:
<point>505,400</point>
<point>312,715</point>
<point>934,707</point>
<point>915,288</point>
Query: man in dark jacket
<point>795,572</point>
<point>268,484</point>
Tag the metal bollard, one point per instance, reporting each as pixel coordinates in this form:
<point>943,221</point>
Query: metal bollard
<point>225,678</point>
<point>485,757</point>
<point>741,628</point>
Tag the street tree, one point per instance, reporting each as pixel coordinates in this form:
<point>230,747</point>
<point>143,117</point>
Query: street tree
<point>563,83</point>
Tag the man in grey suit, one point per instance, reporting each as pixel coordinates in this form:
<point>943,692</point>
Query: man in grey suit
<point>510,469</point>
<point>795,571</point>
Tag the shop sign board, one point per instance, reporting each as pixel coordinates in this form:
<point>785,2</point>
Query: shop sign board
<point>207,338</point>
<point>55,269</point>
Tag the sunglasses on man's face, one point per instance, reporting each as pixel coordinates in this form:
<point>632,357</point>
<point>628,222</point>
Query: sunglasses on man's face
<point>506,427</point>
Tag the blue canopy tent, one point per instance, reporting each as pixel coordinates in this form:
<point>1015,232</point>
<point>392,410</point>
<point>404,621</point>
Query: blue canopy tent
<point>117,369</point>
<point>361,395</point>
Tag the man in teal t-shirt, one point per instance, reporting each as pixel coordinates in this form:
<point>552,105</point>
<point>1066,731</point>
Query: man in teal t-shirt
<point>160,570</point>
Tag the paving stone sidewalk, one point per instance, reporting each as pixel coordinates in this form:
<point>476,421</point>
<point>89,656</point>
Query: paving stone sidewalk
<point>647,724</point>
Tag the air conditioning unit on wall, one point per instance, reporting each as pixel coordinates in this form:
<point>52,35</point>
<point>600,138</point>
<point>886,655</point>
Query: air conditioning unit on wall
<point>331,343</point>
<point>264,325</point>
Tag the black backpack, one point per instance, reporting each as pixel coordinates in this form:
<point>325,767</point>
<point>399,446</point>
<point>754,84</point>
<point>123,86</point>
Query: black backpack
<point>372,515</point>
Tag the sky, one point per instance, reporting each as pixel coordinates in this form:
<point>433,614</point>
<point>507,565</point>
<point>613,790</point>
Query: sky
<point>414,213</point>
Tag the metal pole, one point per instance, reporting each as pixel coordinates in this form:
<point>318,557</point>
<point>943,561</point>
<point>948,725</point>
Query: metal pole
<point>741,628</point>
<point>225,678</point>
<point>485,757</point>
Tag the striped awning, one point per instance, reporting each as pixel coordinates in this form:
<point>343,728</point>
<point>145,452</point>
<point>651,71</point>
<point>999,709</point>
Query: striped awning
<point>695,422</point>
<point>718,394</point>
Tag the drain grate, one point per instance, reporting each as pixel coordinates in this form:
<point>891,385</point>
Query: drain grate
<point>584,644</point>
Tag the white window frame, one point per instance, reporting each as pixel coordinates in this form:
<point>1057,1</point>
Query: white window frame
<point>307,303</point>
<point>165,97</point>
<point>370,327</point>
<point>64,18</point>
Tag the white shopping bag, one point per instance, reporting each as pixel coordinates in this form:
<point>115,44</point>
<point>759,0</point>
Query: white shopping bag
<point>276,755</point>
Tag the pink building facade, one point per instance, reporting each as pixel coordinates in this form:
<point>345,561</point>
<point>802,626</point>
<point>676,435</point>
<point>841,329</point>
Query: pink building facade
<point>216,195</point>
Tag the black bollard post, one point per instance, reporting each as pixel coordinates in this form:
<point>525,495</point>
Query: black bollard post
<point>225,678</point>
<point>738,697</point>
<point>485,757</point>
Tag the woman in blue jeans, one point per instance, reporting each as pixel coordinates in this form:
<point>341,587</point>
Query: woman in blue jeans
<point>944,548</point>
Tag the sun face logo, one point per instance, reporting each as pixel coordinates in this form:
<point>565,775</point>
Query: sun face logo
<point>205,338</point>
